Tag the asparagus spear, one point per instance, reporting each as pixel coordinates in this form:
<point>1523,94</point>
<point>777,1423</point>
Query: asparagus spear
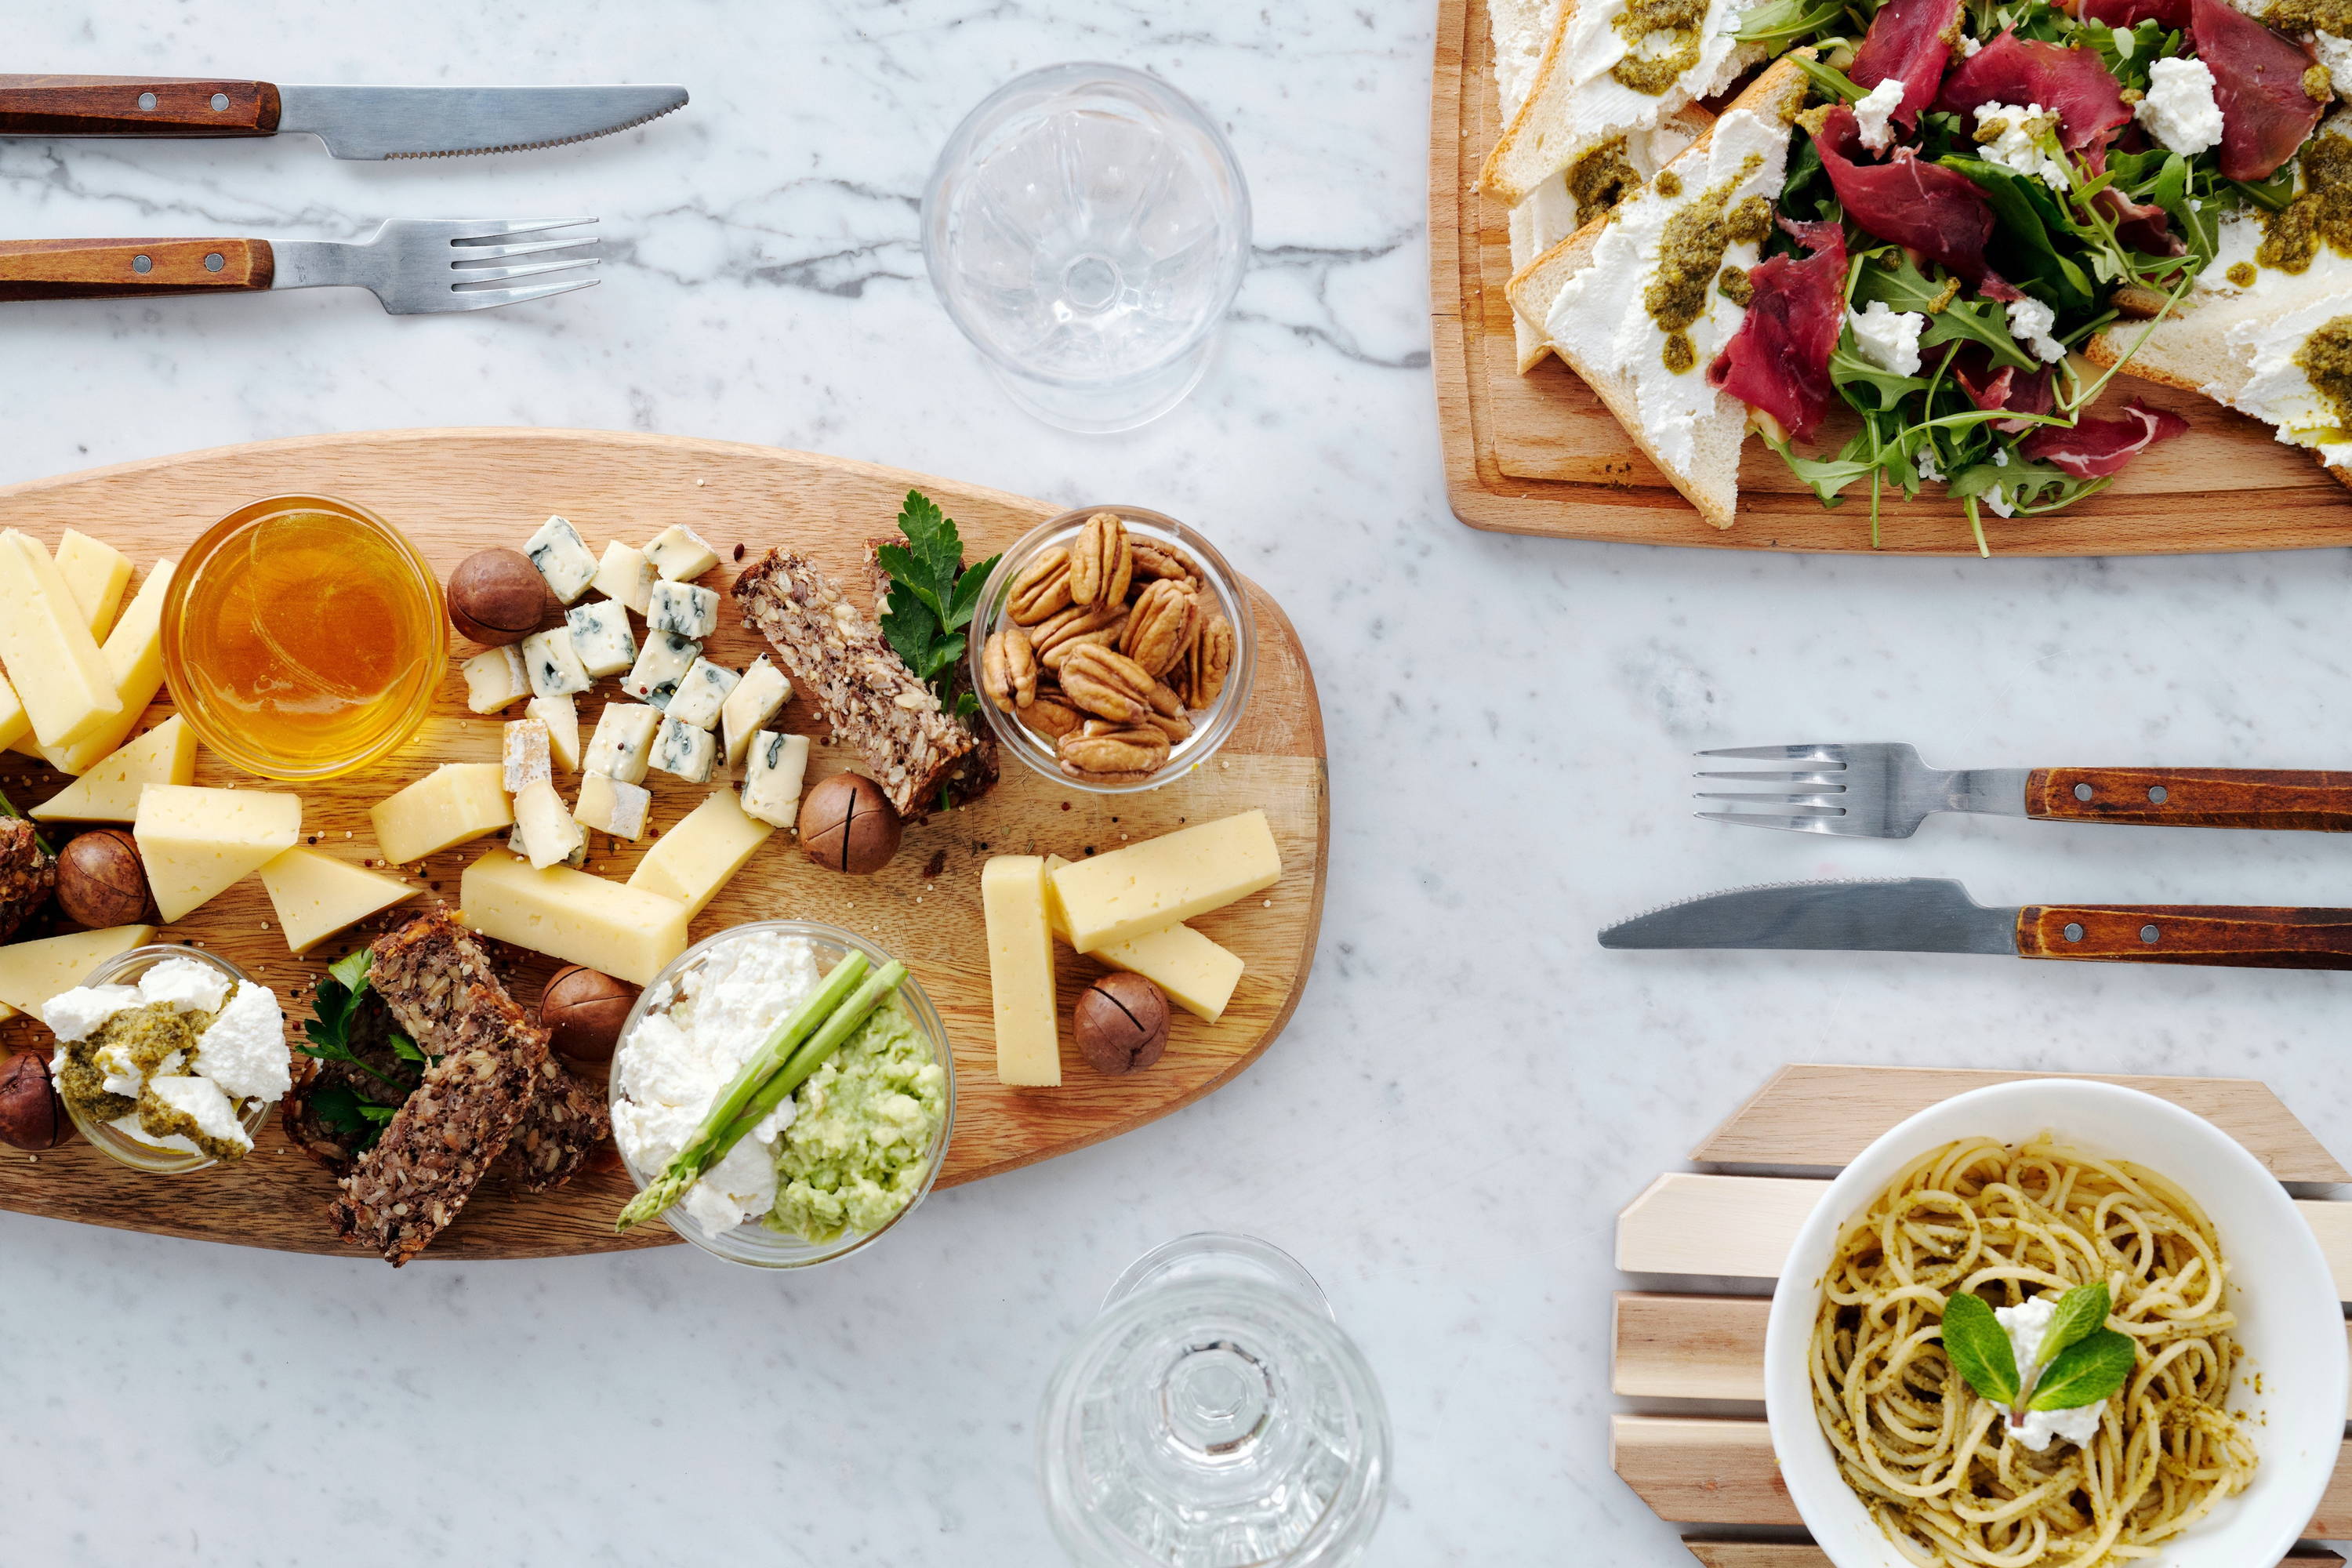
<point>821,1046</point>
<point>716,1135</point>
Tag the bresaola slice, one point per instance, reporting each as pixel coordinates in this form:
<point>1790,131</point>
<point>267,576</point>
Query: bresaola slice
<point>2007,388</point>
<point>1928,208</point>
<point>1909,39</point>
<point>2258,80</point>
<point>2131,12</point>
<point>1778,360</point>
<point>2074,84</point>
<point>2097,447</point>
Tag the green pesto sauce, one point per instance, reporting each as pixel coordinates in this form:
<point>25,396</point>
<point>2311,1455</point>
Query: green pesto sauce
<point>1662,41</point>
<point>2321,213</point>
<point>1601,179</point>
<point>1690,258</point>
<point>147,1037</point>
<point>2325,360</point>
<point>2311,17</point>
<point>1736,286</point>
<point>2317,86</point>
<point>856,1153</point>
<point>2242,274</point>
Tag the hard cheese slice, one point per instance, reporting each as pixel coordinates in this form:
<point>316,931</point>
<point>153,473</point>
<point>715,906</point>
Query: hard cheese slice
<point>46,646</point>
<point>135,662</point>
<point>1151,886</point>
<point>454,803</point>
<point>110,791</point>
<point>33,972</point>
<point>15,725</point>
<point>95,574</point>
<point>198,843</point>
<point>316,894</point>
<point>626,933</point>
<point>1021,972</point>
<point>694,859</point>
<point>1198,975</point>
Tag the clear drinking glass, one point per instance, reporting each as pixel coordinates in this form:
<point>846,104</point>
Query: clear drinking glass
<point>1086,227</point>
<point>1214,1416</point>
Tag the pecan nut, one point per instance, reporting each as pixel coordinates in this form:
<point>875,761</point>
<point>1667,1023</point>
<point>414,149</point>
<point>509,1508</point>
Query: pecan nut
<point>1051,715</point>
<point>1008,670</point>
<point>1163,561</point>
<point>1042,587</point>
<point>1097,750</point>
<point>1176,726</point>
<point>1159,630</point>
<point>1101,562</point>
<point>1210,661</point>
<point>1059,655</point>
<point>1107,684</point>
<point>1074,623</point>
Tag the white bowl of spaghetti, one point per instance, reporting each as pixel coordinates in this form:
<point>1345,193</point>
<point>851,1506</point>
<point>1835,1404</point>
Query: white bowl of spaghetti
<point>2215,1451</point>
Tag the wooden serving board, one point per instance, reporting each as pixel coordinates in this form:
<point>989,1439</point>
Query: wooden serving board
<point>1697,1451</point>
<point>454,491</point>
<point>1539,454</point>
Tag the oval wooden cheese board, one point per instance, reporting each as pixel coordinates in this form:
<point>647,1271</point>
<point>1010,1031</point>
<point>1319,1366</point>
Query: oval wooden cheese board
<point>454,491</point>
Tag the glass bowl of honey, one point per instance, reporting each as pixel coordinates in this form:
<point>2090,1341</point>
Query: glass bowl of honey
<point>304,638</point>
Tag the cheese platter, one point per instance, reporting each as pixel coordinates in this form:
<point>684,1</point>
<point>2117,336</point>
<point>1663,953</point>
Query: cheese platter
<point>625,841</point>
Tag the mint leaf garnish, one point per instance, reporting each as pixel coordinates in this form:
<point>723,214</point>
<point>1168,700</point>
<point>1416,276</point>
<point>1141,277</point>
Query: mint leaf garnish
<point>1979,1347</point>
<point>2086,1371</point>
<point>2081,1312</point>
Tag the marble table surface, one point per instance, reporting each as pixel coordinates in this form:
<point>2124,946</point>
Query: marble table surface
<point>1471,1088</point>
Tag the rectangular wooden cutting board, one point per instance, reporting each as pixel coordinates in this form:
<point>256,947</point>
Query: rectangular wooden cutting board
<point>1539,454</point>
<point>454,491</point>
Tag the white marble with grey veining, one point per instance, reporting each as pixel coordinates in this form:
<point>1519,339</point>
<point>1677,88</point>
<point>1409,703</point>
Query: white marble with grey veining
<point>1470,1088</point>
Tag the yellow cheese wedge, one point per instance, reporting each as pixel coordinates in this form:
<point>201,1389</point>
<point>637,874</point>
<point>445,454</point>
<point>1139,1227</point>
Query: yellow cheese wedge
<point>1151,886</point>
<point>626,933</point>
<point>108,792</point>
<point>198,843</point>
<point>316,894</point>
<point>1198,975</point>
<point>694,859</point>
<point>1021,972</point>
<point>46,647</point>
<point>455,803</point>
<point>33,972</point>
<point>135,662</point>
<point>95,574</point>
<point>15,725</point>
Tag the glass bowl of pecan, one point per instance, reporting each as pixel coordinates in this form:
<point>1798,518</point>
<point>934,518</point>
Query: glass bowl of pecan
<point>1112,649</point>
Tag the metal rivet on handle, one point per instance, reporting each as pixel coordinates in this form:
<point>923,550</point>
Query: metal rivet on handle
<point>214,261</point>
<point>2157,793</point>
<point>2149,935</point>
<point>2082,791</point>
<point>220,102</point>
<point>143,264</point>
<point>2074,932</point>
<point>146,101</point>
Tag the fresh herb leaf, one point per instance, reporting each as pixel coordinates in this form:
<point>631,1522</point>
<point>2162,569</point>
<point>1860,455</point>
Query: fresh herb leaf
<point>336,1002</point>
<point>1849,368</point>
<point>341,1111</point>
<point>1777,24</point>
<point>407,1050</point>
<point>2086,1371</point>
<point>1828,80</point>
<point>2023,250</point>
<point>2081,1312</point>
<point>1979,1349</point>
<point>932,595</point>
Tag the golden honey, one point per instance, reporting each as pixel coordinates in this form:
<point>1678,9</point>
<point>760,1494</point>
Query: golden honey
<point>304,637</point>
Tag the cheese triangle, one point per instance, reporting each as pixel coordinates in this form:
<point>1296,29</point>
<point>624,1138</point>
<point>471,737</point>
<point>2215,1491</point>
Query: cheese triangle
<point>316,894</point>
<point>33,972</point>
<point>198,843</point>
<point>110,791</point>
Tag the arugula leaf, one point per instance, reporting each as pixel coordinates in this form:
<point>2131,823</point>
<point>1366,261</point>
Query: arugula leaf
<point>1780,22</point>
<point>1828,80</point>
<point>1849,368</point>
<point>932,596</point>
<point>2024,213</point>
<point>2086,1372</point>
<point>1979,1349</point>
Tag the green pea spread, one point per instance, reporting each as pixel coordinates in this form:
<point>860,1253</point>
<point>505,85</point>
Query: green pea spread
<point>855,1151</point>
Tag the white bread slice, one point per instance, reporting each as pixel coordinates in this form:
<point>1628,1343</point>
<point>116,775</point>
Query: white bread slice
<point>1521,30</point>
<point>1574,104</point>
<point>1709,479</point>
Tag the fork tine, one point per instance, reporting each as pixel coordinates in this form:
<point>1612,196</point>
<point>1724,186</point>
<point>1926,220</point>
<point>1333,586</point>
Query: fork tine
<point>468,276</point>
<point>1827,753</point>
<point>489,298</point>
<point>1786,823</point>
<point>1826,802</point>
<point>1836,779</point>
<point>467,253</point>
<point>490,229</point>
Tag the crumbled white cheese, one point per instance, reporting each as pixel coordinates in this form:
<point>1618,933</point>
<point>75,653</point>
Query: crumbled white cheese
<point>1888,338</point>
<point>1925,461</point>
<point>2023,139</point>
<point>2027,1325</point>
<point>244,1050</point>
<point>2001,456</point>
<point>1968,46</point>
<point>2336,54</point>
<point>1997,497</point>
<point>1873,111</point>
<point>190,986</point>
<point>675,1062</point>
<point>2178,109</point>
<point>201,1099</point>
<point>120,1075</point>
<point>76,1014</point>
<point>2030,321</point>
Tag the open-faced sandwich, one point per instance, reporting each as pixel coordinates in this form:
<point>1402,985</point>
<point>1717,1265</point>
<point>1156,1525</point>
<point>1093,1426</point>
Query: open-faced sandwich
<point>1915,249</point>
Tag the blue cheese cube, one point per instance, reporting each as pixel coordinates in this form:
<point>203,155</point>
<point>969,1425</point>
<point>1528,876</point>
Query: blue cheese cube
<point>608,805</point>
<point>680,552</point>
<point>601,636</point>
<point>701,695</point>
<point>683,608</point>
<point>623,741</point>
<point>494,680</point>
<point>526,755</point>
<point>624,574</point>
<point>555,669</point>
<point>683,750</point>
<point>563,559</point>
<point>773,765</point>
<point>664,657</point>
<point>758,698</point>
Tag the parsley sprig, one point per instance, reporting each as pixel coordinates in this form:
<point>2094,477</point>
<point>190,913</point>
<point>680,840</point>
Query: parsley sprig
<point>932,597</point>
<point>340,1106</point>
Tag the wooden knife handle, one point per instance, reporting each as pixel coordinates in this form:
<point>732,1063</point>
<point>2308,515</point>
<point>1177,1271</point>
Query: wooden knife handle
<point>121,269</point>
<point>2188,933</point>
<point>135,106</point>
<point>2192,797</point>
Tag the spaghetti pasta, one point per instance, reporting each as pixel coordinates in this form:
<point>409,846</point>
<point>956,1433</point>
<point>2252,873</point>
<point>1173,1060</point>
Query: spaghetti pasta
<point>1930,1457</point>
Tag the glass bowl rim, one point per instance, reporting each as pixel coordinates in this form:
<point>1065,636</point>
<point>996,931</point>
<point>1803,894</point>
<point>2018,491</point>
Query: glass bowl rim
<point>222,739</point>
<point>765,1248</point>
<point>105,1139</point>
<point>1218,722</point>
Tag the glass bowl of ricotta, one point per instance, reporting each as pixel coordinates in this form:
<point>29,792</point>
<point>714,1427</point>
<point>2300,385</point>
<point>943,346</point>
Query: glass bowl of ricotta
<point>865,1137</point>
<point>228,1096</point>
